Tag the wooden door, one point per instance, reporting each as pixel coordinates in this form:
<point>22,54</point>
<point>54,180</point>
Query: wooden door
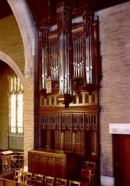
<point>121,159</point>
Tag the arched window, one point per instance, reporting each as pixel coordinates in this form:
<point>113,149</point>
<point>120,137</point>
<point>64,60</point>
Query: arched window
<point>15,105</point>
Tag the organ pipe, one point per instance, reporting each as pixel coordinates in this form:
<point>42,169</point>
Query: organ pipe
<point>88,21</point>
<point>64,28</point>
<point>44,56</point>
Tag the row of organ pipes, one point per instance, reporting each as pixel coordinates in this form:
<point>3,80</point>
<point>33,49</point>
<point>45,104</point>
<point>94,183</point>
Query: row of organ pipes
<point>57,63</point>
<point>54,64</point>
<point>78,62</point>
<point>64,74</point>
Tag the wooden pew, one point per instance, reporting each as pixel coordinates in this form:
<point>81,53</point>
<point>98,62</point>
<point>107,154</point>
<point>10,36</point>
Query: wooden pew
<point>1,181</point>
<point>8,175</point>
<point>7,182</point>
<point>23,184</point>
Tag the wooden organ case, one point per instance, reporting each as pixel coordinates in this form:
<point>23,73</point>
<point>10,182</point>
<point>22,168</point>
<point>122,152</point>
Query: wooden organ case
<point>69,73</point>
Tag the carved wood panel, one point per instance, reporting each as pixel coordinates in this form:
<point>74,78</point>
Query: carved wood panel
<point>78,122</point>
<point>70,121</point>
<point>66,123</point>
<point>66,131</point>
<point>81,98</point>
<point>52,163</point>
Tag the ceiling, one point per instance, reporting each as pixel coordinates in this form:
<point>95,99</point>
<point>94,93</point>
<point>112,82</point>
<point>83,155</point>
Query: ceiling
<point>44,9</point>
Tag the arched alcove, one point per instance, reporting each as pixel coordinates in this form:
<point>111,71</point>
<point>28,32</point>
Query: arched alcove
<point>8,140</point>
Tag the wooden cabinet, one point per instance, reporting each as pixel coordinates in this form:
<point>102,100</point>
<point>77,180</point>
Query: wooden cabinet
<point>53,163</point>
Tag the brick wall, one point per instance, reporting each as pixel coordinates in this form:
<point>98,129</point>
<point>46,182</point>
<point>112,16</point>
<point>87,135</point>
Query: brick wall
<point>115,87</point>
<point>11,42</point>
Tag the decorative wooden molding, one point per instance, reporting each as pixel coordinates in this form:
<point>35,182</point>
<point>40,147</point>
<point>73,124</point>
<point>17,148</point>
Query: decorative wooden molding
<point>70,121</point>
<point>81,98</point>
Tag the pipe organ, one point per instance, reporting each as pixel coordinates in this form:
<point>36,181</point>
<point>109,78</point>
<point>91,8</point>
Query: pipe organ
<point>68,50</point>
<point>69,78</point>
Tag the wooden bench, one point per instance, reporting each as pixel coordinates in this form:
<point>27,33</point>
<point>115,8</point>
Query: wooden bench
<point>8,175</point>
<point>7,182</point>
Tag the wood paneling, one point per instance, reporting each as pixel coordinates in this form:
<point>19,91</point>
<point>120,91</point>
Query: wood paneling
<point>52,163</point>
<point>73,132</point>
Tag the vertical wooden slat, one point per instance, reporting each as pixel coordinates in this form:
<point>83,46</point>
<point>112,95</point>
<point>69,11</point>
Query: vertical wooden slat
<point>1,182</point>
